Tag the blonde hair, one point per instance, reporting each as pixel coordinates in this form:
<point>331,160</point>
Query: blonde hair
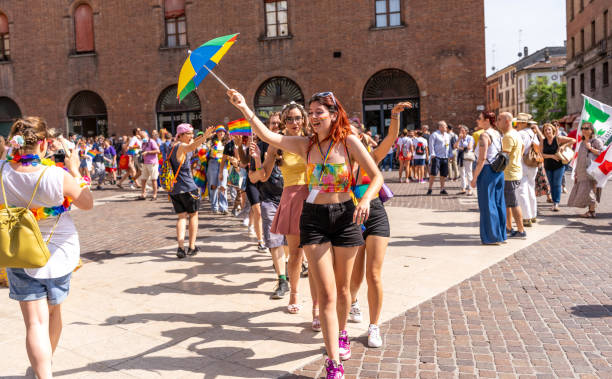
<point>287,108</point>
<point>32,130</point>
<point>549,125</point>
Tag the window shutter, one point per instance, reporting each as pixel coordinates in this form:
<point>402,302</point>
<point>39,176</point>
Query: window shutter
<point>84,30</point>
<point>174,8</point>
<point>4,29</point>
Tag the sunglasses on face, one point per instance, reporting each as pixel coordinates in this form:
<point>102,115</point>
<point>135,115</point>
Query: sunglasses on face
<point>325,94</point>
<point>291,120</point>
<point>587,128</point>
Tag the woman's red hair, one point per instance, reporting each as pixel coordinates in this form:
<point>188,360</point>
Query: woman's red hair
<point>341,128</point>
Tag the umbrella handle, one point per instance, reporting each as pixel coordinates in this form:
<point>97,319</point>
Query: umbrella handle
<point>218,78</point>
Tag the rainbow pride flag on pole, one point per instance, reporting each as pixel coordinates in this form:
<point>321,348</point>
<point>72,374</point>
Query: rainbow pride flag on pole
<point>93,153</point>
<point>200,62</point>
<point>240,127</point>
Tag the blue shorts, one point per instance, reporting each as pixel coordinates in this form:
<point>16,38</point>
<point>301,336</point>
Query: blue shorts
<point>25,288</point>
<point>439,165</point>
<point>418,162</point>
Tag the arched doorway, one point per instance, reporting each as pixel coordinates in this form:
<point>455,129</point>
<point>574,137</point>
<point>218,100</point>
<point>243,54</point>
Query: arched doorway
<point>171,113</point>
<point>87,115</point>
<point>9,112</point>
<point>382,91</point>
<point>274,93</point>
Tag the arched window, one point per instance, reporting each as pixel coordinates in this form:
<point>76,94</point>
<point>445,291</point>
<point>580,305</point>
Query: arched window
<point>5,51</point>
<point>382,91</point>
<point>87,114</point>
<point>276,92</point>
<point>9,112</point>
<point>171,113</point>
<point>176,23</point>
<point>83,29</point>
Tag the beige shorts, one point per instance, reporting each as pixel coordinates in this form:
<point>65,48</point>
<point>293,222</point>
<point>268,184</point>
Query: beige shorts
<point>150,171</point>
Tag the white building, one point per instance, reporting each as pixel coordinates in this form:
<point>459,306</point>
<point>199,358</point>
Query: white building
<point>550,67</point>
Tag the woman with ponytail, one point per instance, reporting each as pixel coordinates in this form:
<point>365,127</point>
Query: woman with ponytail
<point>330,224</point>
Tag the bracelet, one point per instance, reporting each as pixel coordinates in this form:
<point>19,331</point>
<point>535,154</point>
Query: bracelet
<point>395,116</point>
<point>258,168</point>
<point>84,181</point>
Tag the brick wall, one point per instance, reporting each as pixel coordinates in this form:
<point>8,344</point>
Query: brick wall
<point>441,46</point>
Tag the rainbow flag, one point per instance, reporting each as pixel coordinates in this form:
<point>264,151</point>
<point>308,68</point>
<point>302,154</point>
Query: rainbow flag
<point>93,153</point>
<point>239,127</point>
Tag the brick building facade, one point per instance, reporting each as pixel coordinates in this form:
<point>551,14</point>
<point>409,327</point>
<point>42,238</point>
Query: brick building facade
<point>109,66</point>
<point>589,56</point>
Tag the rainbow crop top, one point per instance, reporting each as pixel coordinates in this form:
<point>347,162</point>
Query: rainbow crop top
<point>328,177</point>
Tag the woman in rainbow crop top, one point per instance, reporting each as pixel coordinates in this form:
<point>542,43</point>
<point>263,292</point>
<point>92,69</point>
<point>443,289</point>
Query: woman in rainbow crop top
<point>376,234</point>
<point>294,119</point>
<point>329,216</point>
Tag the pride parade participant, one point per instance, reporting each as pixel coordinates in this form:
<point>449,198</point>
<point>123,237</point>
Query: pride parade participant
<point>287,220</point>
<point>185,195</point>
<point>36,183</point>
<point>218,201</point>
<point>376,232</point>
<point>329,217</point>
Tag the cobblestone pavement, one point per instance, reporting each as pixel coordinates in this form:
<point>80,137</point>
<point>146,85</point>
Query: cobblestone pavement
<point>544,312</point>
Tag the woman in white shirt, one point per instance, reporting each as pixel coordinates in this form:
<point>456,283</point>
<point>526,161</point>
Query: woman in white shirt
<point>41,291</point>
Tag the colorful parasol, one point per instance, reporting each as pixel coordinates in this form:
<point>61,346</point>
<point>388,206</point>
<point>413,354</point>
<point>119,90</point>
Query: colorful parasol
<point>200,62</point>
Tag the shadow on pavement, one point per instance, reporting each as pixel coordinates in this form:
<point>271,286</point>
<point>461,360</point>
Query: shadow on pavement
<point>592,311</point>
<point>438,239</point>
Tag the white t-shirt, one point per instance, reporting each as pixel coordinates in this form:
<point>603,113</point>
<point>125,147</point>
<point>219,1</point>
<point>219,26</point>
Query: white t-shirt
<point>404,144</point>
<point>423,142</point>
<point>135,141</point>
<point>528,137</point>
<point>64,245</point>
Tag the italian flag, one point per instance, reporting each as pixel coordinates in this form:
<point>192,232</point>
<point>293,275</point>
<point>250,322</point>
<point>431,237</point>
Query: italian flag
<point>600,115</point>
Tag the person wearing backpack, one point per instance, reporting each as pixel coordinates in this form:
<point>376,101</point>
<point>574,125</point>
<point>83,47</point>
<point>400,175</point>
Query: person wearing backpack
<point>421,151</point>
<point>37,184</point>
<point>184,193</point>
<point>404,155</point>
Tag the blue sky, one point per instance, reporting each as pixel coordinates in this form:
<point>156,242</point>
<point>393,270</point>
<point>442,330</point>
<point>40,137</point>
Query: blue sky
<point>542,23</point>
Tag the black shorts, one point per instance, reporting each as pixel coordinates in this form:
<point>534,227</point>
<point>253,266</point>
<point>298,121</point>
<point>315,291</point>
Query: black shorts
<point>186,202</point>
<point>439,165</point>
<point>321,223</point>
<point>252,193</point>
<point>377,223</point>
<point>511,192</point>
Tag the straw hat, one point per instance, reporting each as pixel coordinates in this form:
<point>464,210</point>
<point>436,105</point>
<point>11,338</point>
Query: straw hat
<point>523,118</point>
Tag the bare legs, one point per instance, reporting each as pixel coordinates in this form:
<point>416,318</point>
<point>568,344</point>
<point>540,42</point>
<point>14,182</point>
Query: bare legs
<point>295,264</point>
<point>256,220</point>
<point>376,247</point>
<point>278,258</point>
<point>43,329</point>
<point>193,229</point>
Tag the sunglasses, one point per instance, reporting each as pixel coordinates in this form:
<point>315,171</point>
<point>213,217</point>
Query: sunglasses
<point>585,128</point>
<point>325,94</point>
<point>295,119</point>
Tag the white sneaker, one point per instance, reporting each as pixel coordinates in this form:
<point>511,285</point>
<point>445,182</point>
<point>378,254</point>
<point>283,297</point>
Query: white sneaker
<point>252,231</point>
<point>374,338</point>
<point>355,313</point>
<point>245,221</point>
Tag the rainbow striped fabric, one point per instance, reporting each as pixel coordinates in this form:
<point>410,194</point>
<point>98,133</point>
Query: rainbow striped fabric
<point>92,153</point>
<point>209,55</point>
<point>240,127</point>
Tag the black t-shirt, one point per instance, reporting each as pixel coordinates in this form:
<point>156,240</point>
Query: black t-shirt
<point>272,189</point>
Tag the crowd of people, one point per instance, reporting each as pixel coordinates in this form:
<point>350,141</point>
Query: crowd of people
<point>307,184</point>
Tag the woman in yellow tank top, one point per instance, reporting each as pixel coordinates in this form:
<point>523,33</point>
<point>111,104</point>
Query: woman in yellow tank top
<point>329,217</point>
<point>287,220</point>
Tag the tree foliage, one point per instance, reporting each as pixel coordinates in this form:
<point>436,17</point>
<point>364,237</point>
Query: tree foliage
<point>546,101</point>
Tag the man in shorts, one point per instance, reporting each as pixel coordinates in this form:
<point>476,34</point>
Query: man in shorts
<point>512,144</point>
<point>440,152</point>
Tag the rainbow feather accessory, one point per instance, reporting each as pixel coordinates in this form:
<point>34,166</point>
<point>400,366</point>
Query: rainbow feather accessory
<point>240,127</point>
<point>199,177</point>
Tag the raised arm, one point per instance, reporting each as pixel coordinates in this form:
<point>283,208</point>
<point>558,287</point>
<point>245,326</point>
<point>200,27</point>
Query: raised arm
<point>185,148</point>
<point>294,144</point>
<point>383,148</point>
<point>361,155</point>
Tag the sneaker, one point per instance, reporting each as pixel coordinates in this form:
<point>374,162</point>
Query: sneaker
<point>428,192</point>
<point>423,181</point>
<point>281,289</point>
<point>191,252</point>
<point>534,220</point>
<point>252,231</point>
<point>345,346</point>
<point>180,253</point>
<point>334,370</point>
<point>355,313</point>
<point>236,212</point>
<point>261,247</point>
<point>520,235</point>
<point>443,192</point>
<point>527,223</point>
<point>374,339</point>
<point>304,272</point>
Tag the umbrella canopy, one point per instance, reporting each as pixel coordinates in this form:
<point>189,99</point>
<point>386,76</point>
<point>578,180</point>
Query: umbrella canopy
<point>206,56</point>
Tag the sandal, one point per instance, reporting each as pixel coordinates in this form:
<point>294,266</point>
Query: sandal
<point>588,214</point>
<point>316,324</point>
<point>294,308</point>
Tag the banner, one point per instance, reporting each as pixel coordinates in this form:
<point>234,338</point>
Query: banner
<point>600,115</point>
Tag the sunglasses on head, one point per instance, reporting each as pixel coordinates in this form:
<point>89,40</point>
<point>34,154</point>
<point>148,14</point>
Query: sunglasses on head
<point>325,94</point>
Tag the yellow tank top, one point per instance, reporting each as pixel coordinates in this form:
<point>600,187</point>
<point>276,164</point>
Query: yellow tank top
<point>293,169</point>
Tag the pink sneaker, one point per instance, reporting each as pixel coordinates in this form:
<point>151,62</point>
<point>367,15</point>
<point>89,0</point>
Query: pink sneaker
<point>334,370</point>
<point>345,346</point>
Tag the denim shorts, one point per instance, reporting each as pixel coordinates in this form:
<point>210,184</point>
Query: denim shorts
<point>25,288</point>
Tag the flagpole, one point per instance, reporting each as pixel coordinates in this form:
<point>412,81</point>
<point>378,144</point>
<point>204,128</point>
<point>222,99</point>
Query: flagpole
<point>218,78</point>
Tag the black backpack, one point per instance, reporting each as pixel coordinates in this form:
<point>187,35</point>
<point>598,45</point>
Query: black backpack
<point>420,149</point>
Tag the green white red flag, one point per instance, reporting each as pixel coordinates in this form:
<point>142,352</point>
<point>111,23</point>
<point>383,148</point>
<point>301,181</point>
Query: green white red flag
<point>600,115</point>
